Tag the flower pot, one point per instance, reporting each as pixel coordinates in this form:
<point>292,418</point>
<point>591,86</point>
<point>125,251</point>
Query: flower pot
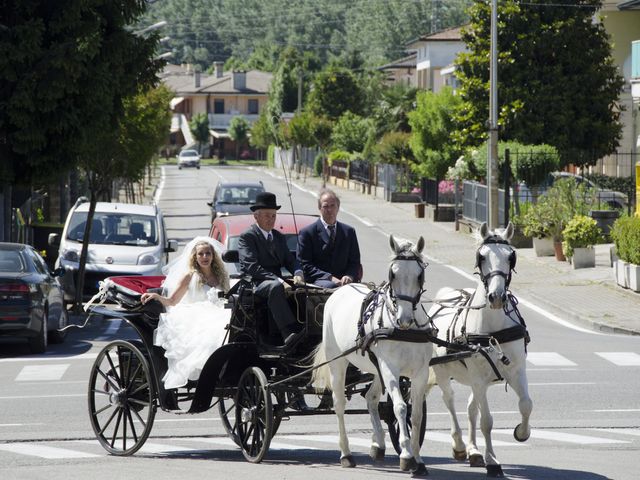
<point>620,269</point>
<point>584,257</point>
<point>633,276</point>
<point>543,247</point>
<point>419,210</point>
<point>557,246</point>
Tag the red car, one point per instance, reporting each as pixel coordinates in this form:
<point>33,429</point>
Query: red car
<point>227,230</point>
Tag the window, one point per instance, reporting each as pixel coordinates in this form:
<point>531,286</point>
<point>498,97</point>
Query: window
<point>253,106</point>
<point>218,105</point>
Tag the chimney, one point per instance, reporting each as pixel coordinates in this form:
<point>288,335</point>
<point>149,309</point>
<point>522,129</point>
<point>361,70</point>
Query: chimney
<point>196,79</point>
<point>218,68</point>
<point>239,80</point>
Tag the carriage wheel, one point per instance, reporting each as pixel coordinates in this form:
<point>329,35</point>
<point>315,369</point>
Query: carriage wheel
<point>226,410</point>
<point>254,414</point>
<point>122,401</point>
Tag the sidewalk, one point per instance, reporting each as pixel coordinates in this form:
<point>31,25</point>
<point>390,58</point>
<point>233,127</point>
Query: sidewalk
<point>588,297</point>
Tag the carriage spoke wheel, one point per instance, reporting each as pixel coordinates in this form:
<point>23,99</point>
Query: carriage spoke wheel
<point>122,403</point>
<point>227,411</point>
<point>254,414</point>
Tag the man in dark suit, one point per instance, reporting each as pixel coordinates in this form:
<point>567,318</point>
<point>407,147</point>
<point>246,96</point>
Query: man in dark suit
<point>263,253</point>
<point>327,249</point>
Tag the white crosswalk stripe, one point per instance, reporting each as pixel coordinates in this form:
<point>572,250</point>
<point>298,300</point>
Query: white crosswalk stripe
<point>32,373</point>
<point>622,359</point>
<point>187,445</point>
<point>549,359</point>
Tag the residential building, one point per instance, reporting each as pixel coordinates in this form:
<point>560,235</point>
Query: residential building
<point>401,71</point>
<point>435,55</point>
<point>221,96</point>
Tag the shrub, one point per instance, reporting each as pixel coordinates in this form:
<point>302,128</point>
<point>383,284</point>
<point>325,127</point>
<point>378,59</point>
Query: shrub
<point>626,237</point>
<point>581,232</point>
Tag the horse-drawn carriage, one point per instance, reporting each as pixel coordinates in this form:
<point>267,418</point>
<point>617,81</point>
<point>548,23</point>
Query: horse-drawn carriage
<point>253,383</point>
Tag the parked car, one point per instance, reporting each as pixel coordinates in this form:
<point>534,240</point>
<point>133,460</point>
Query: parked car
<point>188,158</point>
<point>31,297</point>
<point>612,198</point>
<point>125,239</point>
<point>227,230</point>
<point>234,197</point>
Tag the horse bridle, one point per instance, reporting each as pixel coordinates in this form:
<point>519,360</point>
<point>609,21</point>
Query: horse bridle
<point>494,273</point>
<point>412,257</point>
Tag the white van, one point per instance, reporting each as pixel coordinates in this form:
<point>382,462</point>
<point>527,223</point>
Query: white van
<point>126,239</point>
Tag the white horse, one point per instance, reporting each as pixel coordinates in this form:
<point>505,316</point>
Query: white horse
<point>487,316</point>
<point>393,307</point>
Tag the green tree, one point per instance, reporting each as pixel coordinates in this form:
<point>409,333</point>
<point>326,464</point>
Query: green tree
<point>431,124</point>
<point>351,132</point>
<point>335,91</point>
<point>239,132</point>
<point>262,131</point>
<point>545,51</point>
<point>199,126</point>
<point>391,112</point>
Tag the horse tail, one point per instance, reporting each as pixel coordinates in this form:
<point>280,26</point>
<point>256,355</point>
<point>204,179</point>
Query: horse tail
<point>320,378</point>
<point>432,379</point>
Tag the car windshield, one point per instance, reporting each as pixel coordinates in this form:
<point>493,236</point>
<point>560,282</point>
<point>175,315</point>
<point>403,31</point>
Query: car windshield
<point>189,153</point>
<point>241,195</point>
<point>11,261</point>
<point>115,229</point>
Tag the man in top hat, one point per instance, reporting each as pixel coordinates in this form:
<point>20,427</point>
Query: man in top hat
<point>263,252</point>
<point>327,249</point>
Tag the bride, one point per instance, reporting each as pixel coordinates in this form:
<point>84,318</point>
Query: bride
<point>194,325</point>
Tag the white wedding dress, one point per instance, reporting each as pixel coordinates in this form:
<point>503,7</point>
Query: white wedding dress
<point>190,332</point>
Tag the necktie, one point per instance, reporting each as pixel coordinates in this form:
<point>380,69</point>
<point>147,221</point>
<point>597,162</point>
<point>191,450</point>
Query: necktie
<point>332,234</point>
<point>269,237</point>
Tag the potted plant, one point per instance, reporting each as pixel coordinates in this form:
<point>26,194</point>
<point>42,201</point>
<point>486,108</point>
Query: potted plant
<point>536,224</point>
<point>626,237</point>
<point>579,237</point>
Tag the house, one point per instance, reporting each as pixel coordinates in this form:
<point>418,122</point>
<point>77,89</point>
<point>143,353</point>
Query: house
<point>435,55</point>
<point>221,96</point>
<point>401,71</point>
<point>622,22</point>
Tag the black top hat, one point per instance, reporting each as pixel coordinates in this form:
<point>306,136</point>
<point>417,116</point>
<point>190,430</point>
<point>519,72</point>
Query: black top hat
<point>265,200</point>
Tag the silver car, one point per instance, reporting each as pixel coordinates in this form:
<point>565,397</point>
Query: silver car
<point>188,158</point>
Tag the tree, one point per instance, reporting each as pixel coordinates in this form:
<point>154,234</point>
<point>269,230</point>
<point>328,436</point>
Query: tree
<point>558,84</point>
<point>263,131</point>
<point>335,91</point>
<point>351,132</point>
<point>431,123</point>
<point>199,126</point>
<point>239,132</point>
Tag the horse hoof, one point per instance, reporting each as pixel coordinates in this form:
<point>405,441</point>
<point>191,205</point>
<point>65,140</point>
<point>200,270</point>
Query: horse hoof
<point>408,464</point>
<point>377,454</point>
<point>421,471</point>
<point>476,460</point>
<point>459,455</point>
<point>494,471</point>
<point>519,438</point>
<point>347,462</point>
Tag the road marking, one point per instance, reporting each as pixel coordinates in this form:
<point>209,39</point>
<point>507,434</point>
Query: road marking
<point>43,451</point>
<point>446,438</point>
<point>546,384</point>
<point>624,431</point>
<point>18,424</point>
<point>548,359</point>
<point>230,443</point>
<point>166,420</point>
<point>622,359</point>
<point>42,372</point>
<point>51,358</point>
<point>158,192</point>
<point>29,397</point>
<point>565,437</point>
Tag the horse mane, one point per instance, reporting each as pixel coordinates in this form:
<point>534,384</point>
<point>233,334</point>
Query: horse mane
<point>479,240</point>
<point>406,248</point>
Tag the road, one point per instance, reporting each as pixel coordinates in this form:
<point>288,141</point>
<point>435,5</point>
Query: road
<point>586,417</point>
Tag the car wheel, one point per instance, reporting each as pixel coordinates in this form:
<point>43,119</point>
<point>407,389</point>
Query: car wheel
<point>56,336</point>
<point>38,344</point>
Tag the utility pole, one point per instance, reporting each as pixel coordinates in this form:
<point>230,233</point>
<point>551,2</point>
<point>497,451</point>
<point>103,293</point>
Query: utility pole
<point>492,151</point>
<point>299,109</point>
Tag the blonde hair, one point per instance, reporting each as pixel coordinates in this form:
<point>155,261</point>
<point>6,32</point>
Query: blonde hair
<point>217,266</point>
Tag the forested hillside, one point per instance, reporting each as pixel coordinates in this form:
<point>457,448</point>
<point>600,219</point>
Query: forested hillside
<point>252,33</point>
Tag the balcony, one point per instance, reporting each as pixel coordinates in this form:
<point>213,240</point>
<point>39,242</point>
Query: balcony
<point>221,121</point>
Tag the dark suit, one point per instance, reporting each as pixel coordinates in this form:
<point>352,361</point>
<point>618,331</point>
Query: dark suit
<point>263,262</point>
<point>320,260</point>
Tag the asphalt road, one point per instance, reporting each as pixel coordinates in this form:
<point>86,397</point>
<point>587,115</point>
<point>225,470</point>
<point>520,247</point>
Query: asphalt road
<point>586,415</point>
